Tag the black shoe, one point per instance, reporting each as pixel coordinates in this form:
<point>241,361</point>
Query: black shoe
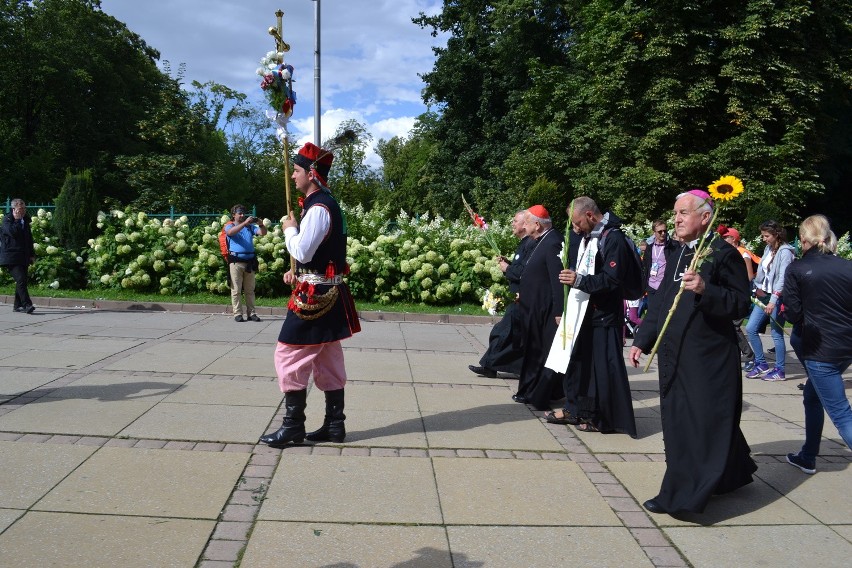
<point>29,309</point>
<point>521,399</point>
<point>254,317</point>
<point>654,506</point>
<point>483,371</point>
<point>19,309</point>
<point>239,318</point>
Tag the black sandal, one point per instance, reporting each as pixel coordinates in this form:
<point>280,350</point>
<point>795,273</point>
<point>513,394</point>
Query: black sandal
<point>566,418</point>
<point>587,427</point>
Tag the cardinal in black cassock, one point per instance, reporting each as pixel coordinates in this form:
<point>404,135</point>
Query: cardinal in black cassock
<point>540,303</point>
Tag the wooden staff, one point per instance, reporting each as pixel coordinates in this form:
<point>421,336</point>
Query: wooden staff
<point>281,47</point>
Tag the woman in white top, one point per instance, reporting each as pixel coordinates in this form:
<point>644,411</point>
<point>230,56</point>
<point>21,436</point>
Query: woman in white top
<point>769,282</point>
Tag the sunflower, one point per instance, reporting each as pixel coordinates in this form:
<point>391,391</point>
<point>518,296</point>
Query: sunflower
<point>726,188</point>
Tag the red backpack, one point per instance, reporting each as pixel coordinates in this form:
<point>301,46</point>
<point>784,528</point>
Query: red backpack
<point>224,241</point>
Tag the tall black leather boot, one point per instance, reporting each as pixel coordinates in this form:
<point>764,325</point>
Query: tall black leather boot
<point>333,429</point>
<point>292,431</point>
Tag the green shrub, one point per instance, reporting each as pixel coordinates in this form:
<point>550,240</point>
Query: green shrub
<point>393,259</point>
<point>76,210</point>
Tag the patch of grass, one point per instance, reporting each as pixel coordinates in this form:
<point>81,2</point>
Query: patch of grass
<point>216,299</point>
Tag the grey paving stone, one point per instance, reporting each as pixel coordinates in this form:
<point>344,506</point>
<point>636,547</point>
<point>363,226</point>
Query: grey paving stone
<point>9,516</point>
<point>29,471</point>
<point>484,430</point>
<point>16,381</point>
<point>824,495</point>
<point>380,428</point>
<point>795,545</point>
<point>83,541</point>
<point>157,483</point>
<point>510,547</point>
<point>391,497</point>
<point>172,357</point>
<point>307,545</point>
<point>373,366</point>
<point>202,422</point>
<point>351,489</point>
<point>478,491</point>
<point>84,417</point>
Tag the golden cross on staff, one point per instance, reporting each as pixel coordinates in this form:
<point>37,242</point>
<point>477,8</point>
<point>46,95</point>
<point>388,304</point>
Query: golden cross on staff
<point>282,47</point>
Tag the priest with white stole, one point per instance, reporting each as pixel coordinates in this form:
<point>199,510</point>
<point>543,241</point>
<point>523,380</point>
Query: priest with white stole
<point>588,345</point>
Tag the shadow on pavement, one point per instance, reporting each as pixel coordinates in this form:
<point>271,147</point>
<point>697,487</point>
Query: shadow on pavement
<point>452,421</point>
<point>108,393</point>
<point>752,498</point>
<point>426,557</point>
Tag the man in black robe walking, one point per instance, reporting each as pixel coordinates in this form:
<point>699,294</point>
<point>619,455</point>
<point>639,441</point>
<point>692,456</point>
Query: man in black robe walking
<point>502,354</point>
<point>699,366</point>
<point>540,303</point>
<point>597,392</point>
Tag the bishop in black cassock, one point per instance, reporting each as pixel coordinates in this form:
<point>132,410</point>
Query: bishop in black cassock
<point>699,367</point>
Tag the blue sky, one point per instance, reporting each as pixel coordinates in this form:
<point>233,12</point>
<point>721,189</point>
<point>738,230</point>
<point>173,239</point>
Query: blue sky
<point>371,53</point>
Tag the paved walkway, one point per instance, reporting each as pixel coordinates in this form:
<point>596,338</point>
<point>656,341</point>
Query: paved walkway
<point>127,438</point>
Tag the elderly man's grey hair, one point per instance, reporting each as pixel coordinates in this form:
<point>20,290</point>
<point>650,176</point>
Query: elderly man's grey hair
<point>546,223</point>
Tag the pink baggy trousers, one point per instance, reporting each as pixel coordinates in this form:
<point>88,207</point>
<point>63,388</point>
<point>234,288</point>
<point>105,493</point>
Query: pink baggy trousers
<point>295,363</point>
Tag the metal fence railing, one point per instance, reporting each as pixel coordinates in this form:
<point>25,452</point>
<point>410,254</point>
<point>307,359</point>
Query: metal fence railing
<point>195,219</point>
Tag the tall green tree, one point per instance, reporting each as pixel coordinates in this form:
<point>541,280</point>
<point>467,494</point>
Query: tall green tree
<point>253,143</point>
<point>75,83</point>
<point>478,78</point>
<point>350,178</point>
<point>667,96</point>
<point>186,162</point>
<point>404,167</point>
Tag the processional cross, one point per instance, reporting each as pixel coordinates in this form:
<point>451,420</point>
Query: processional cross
<point>282,47</point>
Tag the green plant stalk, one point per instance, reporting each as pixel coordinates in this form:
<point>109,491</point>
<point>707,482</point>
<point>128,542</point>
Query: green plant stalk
<point>567,289</point>
<point>757,302</point>
<point>693,266</point>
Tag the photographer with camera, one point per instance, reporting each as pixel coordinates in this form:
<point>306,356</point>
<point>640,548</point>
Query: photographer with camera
<point>242,261</point>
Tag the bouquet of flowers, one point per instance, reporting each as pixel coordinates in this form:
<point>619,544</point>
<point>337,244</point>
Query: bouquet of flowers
<point>277,82</point>
<point>492,303</point>
<point>480,223</point>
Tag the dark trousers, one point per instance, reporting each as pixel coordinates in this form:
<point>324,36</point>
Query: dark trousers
<point>19,273</point>
<point>742,340</point>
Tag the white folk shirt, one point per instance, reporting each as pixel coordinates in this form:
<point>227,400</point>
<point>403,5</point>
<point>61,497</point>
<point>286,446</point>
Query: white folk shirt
<point>302,243</point>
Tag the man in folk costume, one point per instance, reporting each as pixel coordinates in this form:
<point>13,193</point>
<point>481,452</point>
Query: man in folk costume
<point>596,387</point>
<point>540,304</point>
<point>321,312</point>
<point>699,366</point>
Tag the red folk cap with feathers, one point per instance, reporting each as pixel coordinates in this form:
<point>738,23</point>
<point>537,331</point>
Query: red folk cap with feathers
<point>312,157</point>
<point>539,211</point>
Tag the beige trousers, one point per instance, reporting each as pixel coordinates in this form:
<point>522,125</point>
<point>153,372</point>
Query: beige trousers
<point>242,282</point>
